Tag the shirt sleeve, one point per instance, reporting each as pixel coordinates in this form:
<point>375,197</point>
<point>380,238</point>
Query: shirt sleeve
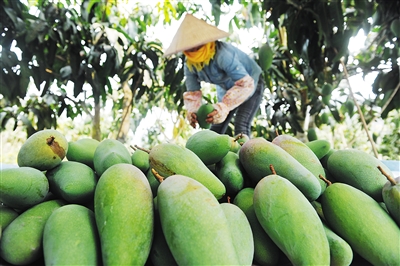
<point>192,82</point>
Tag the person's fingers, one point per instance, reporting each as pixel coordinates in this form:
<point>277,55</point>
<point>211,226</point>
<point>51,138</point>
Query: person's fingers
<point>212,114</point>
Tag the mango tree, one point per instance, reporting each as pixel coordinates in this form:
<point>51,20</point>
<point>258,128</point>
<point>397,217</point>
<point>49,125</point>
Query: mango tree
<point>93,44</point>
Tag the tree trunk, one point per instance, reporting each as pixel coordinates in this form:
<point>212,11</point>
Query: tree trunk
<point>126,112</point>
<point>96,131</point>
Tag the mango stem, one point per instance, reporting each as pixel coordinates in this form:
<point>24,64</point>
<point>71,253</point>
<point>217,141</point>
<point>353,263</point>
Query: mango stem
<point>326,180</point>
<point>271,167</point>
<point>238,137</point>
<point>157,175</point>
<point>136,147</point>
<point>391,179</point>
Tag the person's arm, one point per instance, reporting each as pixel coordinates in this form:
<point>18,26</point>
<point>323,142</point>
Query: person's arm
<point>192,101</point>
<point>235,96</point>
<point>192,98</point>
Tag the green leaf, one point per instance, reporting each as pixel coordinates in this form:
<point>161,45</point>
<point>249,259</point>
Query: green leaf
<point>24,80</point>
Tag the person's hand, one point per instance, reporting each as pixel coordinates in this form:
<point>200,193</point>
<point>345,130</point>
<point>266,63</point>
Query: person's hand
<point>221,111</point>
<point>193,120</point>
<point>192,101</point>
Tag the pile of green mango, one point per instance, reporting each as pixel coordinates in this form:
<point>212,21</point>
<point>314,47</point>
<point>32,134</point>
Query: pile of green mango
<point>217,200</point>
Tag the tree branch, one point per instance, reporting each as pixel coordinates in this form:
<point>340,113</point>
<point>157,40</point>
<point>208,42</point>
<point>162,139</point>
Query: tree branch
<point>365,126</point>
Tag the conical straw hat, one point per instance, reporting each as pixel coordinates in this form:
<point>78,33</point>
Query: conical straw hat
<point>193,32</point>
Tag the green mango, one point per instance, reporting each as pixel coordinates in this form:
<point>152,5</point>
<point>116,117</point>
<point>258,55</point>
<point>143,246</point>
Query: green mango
<point>108,153</point>
<point>7,215</point>
<point>231,173</point>
<point>160,254</point>
<point>324,117</point>
<point>72,181</point>
<point>265,55</point>
<point>153,181</point>
<point>202,113</point>
<point>291,221</point>
<point>194,224</point>
<point>235,145</point>
<point>266,252</point>
<point>324,159</point>
<point>362,223</point>
<point>320,147</point>
<point>209,145</point>
<point>318,208</point>
<point>257,155</point>
<point>312,134</point>
<point>237,142</point>
<point>303,154</point>
<point>169,159</point>
<point>82,150</point>
<point>123,204</point>
<point>140,159</point>
<point>358,169</point>
<point>21,242</point>
<point>22,187</point>
<point>326,89</point>
<point>395,27</point>
<point>43,150</point>
<point>242,235</point>
<point>326,100</point>
<point>391,197</point>
<point>340,251</point>
<point>70,237</point>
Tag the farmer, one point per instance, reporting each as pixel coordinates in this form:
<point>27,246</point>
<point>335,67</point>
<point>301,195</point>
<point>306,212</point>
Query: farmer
<point>236,76</point>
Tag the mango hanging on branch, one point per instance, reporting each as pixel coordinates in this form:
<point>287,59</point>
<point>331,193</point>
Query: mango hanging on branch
<point>326,92</point>
<point>395,27</point>
<point>265,55</point>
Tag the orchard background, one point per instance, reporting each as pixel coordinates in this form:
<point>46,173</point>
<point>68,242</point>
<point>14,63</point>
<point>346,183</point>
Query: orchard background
<point>95,68</point>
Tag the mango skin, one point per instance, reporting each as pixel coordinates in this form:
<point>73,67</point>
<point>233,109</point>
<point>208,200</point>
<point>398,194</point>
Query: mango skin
<point>202,113</point>
<point>303,154</point>
<point>358,169</point>
<point>362,223</point>
<point>7,215</point>
<point>242,236</point>
<point>43,150</point>
<point>22,187</point>
<point>74,182</point>
<point>194,224</point>
<point>257,154</point>
<point>231,173</point>
<point>21,242</point>
<point>123,204</point>
<point>291,221</point>
<point>170,159</point>
<point>82,150</point>
<point>70,237</point>
<point>160,254</point>
<point>391,198</point>
<point>209,145</point>
<point>108,153</point>
<point>340,250</point>
<point>266,252</point>
<point>140,159</point>
<point>320,147</point>
<point>153,181</point>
